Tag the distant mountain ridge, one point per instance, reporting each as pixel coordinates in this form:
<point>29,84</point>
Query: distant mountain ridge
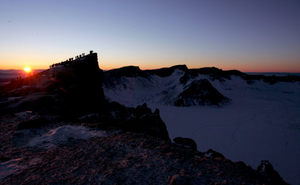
<point>134,71</point>
<point>170,85</point>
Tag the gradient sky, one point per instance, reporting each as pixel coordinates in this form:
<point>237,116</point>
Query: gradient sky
<point>249,35</point>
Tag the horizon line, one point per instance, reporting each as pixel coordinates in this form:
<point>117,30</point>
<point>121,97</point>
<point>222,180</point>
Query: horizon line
<point>34,69</point>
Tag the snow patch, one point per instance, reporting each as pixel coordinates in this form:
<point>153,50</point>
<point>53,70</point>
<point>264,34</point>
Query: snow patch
<point>133,91</point>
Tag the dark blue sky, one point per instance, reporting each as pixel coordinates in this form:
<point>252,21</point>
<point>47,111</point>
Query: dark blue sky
<point>250,35</point>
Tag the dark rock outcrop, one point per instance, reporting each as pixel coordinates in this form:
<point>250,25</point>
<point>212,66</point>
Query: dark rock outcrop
<point>213,154</point>
<point>271,175</point>
<point>213,72</point>
<point>186,142</point>
<point>76,87</point>
<point>115,75</point>
<point>164,72</point>
<point>140,119</point>
<point>128,71</point>
<point>200,92</point>
<point>79,85</point>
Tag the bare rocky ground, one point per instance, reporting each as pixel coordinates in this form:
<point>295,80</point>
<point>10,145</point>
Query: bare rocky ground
<point>117,158</point>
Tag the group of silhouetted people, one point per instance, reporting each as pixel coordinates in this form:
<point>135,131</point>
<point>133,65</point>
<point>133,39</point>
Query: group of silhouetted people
<point>70,60</point>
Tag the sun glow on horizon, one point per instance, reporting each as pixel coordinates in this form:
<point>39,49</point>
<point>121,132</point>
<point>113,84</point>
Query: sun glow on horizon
<point>27,69</point>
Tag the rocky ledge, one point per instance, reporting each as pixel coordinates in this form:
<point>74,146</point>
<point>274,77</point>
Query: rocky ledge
<point>117,157</point>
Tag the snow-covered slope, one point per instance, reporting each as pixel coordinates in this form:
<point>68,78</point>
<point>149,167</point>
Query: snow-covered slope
<point>133,91</point>
<point>261,122</point>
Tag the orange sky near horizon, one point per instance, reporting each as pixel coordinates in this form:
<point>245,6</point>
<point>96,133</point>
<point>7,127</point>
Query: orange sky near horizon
<point>107,64</point>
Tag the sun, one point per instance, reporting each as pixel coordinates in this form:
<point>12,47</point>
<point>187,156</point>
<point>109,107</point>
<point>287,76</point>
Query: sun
<point>27,69</point>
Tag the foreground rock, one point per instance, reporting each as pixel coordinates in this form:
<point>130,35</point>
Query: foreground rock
<point>140,119</point>
<point>125,158</point>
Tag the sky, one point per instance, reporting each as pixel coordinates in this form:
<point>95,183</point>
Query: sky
<point>248,35</point>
